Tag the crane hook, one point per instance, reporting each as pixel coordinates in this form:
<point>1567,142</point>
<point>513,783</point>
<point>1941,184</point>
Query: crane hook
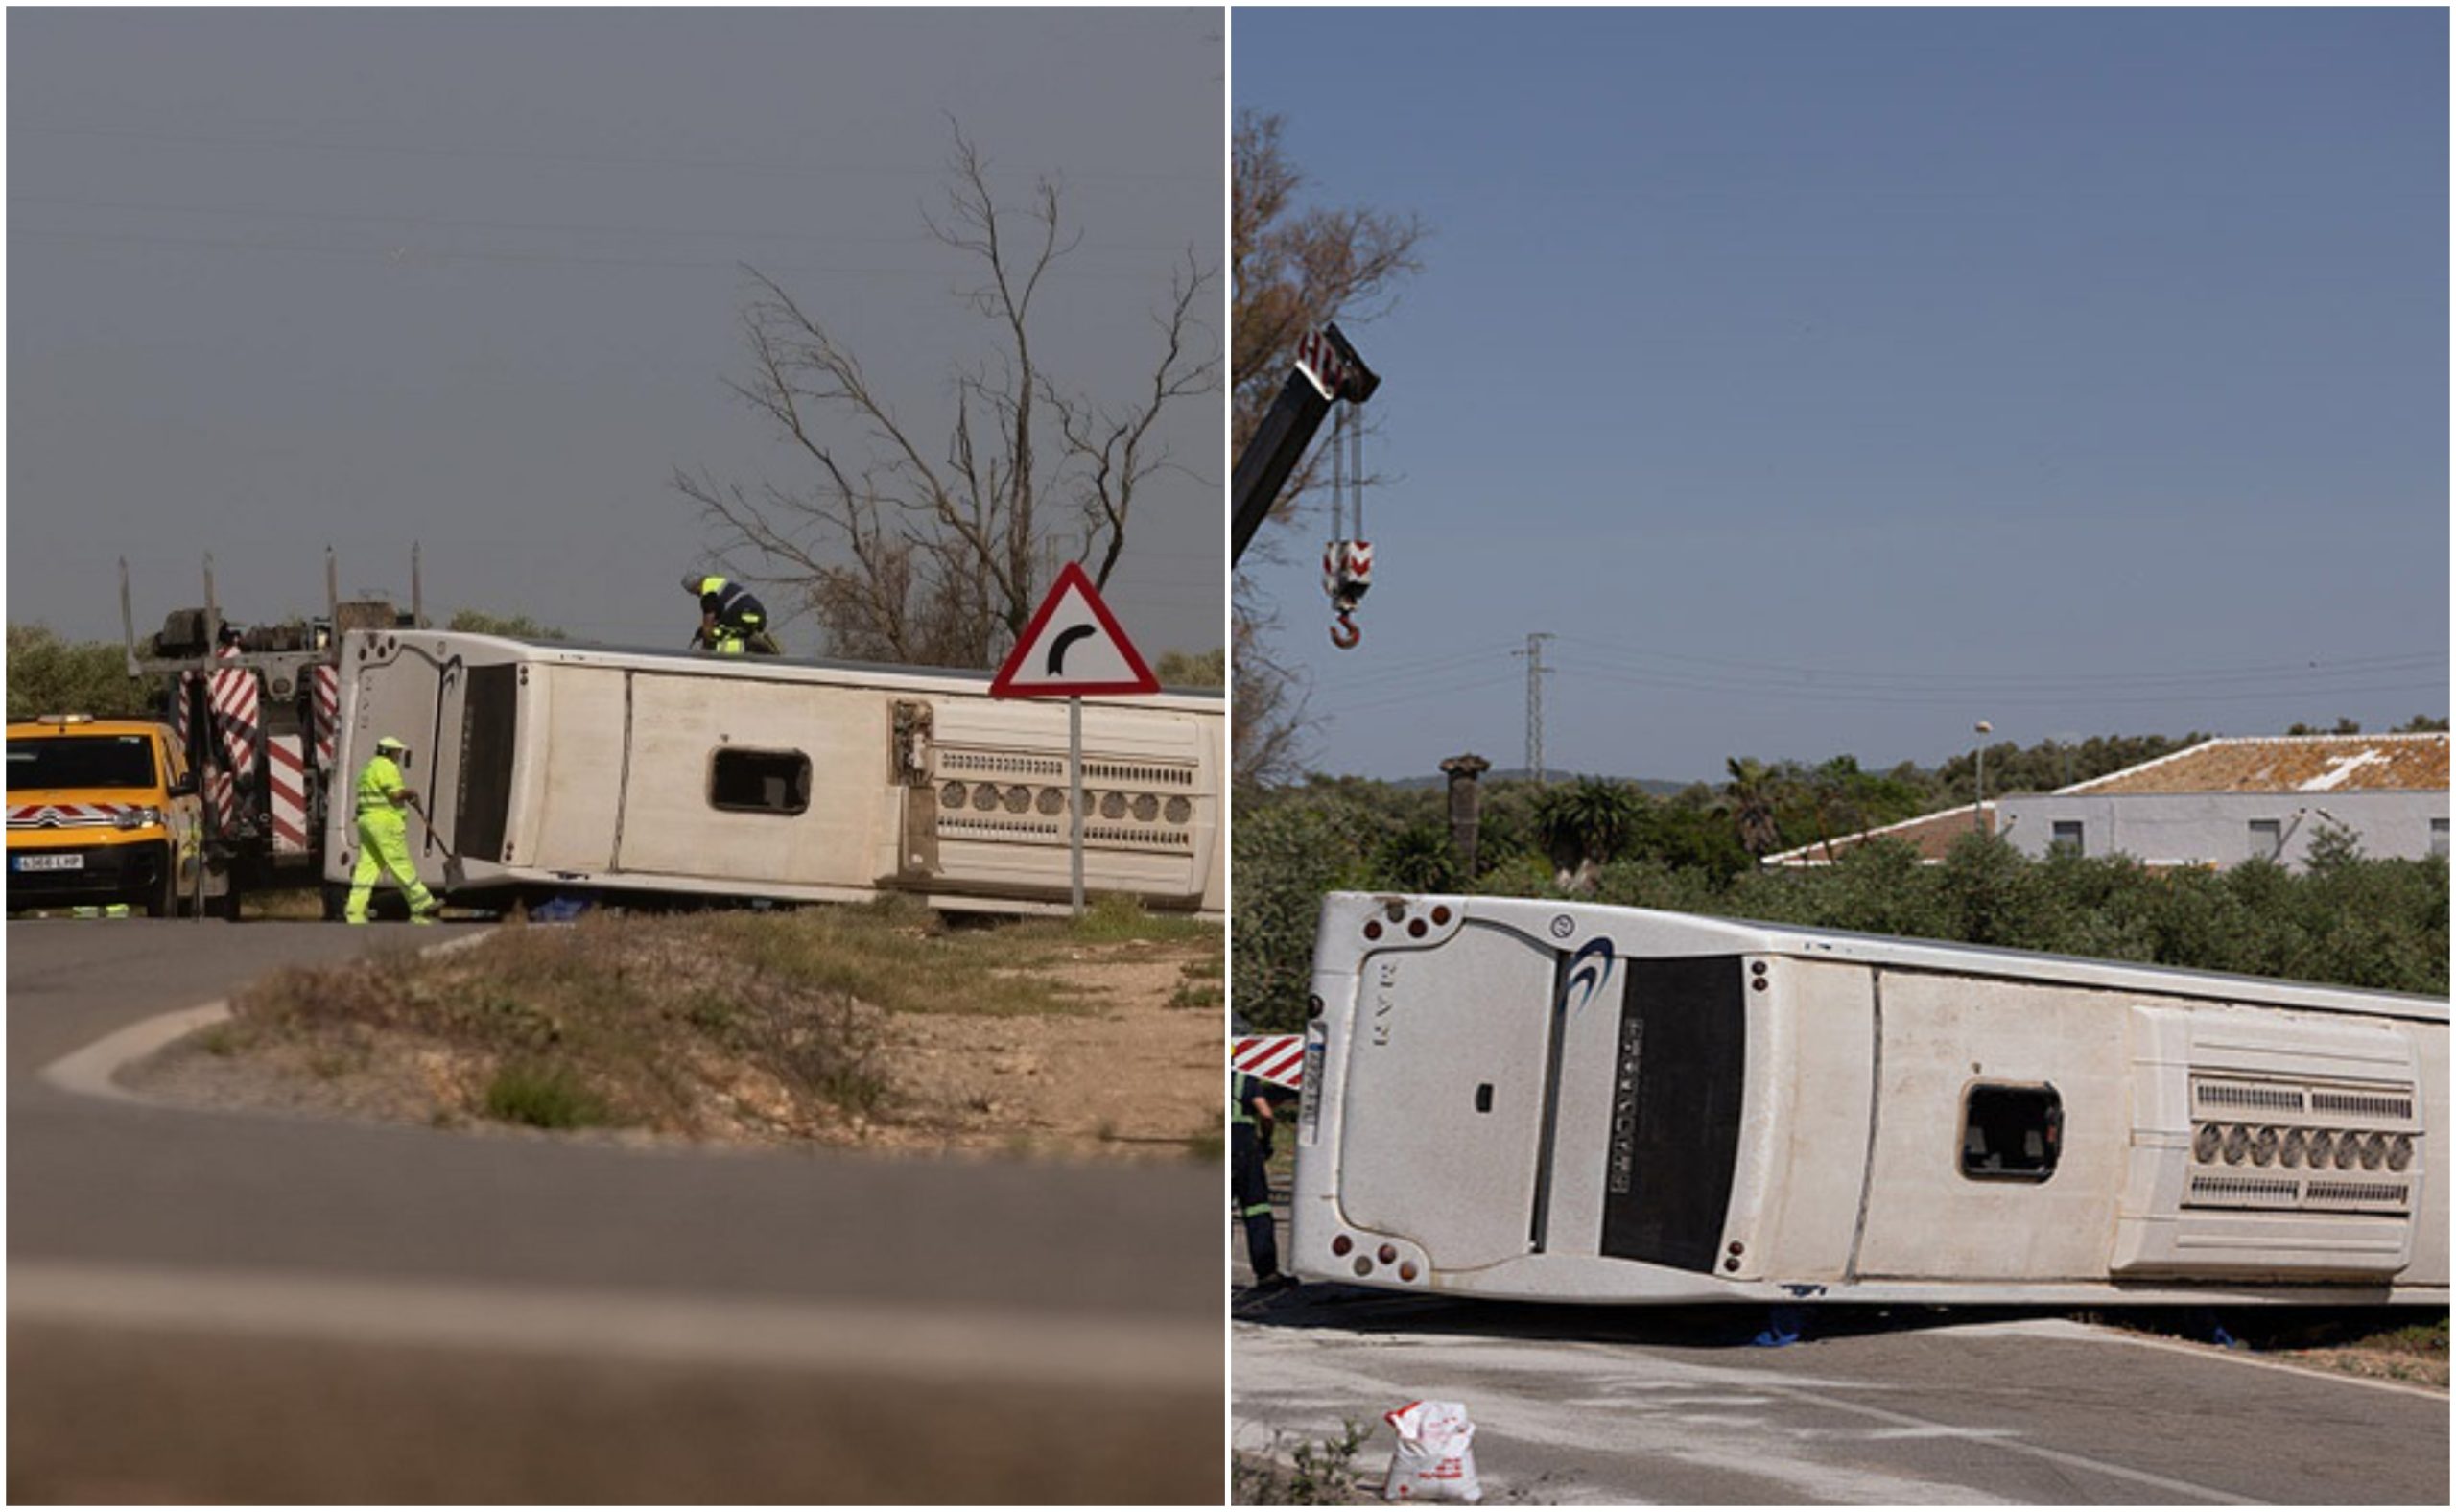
<point>1345,633</point>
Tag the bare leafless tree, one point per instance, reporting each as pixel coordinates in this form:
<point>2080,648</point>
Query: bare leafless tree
<point>1293,268</point>
<point>932,546</point>
<point>1269,719</point>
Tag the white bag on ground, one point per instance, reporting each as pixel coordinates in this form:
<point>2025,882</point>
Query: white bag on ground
<point>1435,1459</point>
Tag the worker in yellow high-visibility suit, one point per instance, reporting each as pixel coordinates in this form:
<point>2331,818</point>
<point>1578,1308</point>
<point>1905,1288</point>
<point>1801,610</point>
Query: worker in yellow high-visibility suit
<point>383,837</point>
<point>732,620</point>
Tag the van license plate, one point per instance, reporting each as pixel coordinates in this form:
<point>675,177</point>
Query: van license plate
<point>68,863</point>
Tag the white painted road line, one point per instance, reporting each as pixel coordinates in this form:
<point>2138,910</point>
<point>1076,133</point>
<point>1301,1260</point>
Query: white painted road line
<point>1928,1427</point>
<point>895,1340</point>
<point>93,1072</point>
<point>2067,1328</point>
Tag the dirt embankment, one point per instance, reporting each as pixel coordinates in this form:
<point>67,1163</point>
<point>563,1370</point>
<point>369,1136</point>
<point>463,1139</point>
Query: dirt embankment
<point>873,1028</point>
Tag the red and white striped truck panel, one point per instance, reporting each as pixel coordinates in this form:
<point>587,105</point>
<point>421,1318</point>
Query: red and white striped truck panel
<point>286,785</point>
<point>1277,1058</point>
<point>328,716</point>
<point>66,816</point>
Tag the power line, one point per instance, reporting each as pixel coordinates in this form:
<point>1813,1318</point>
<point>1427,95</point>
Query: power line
<point>184,137</point>
<point>1442,691</point>
<point>267,212</point>
<point>1962,699</point>
<point>417,256</point>
<point>1434,671</point>
<point>1984,681</point>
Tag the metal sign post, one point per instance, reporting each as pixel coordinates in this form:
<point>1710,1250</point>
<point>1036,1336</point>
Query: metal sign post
<point>1072,647</point>
<point>1075,794</point>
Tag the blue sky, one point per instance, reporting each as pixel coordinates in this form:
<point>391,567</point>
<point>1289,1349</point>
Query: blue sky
<point>1828,380</point>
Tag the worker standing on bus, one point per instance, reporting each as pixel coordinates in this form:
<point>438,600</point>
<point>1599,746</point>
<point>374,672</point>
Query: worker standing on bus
<point>383,837</point>
<point>1250,1122</point>
<point>731,618</point>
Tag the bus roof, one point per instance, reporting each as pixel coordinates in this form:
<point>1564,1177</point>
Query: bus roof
<point>1716,935</point>
<point>669,658</point>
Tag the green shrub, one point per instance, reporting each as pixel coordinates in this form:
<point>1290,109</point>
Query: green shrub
<point>542,1096</point>
<point>2348,920</point>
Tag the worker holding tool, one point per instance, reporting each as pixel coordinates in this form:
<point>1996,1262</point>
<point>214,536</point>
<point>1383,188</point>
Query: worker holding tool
<point>731,618</point>
<point>383,837</point>
<point>1250,1121</point>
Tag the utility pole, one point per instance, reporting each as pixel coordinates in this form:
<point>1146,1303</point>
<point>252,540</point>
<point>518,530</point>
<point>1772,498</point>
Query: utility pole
<point>1536,672</point>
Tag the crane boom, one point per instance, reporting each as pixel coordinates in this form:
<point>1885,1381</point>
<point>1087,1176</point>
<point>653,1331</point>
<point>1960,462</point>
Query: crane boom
<point>1327,370</point>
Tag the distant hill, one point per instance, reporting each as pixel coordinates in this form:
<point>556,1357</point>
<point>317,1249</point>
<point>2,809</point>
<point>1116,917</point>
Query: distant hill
<point>1658,786</point>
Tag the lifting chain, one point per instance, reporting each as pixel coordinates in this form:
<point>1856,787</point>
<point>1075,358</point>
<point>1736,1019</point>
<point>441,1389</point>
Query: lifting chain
<point>1347,560</point>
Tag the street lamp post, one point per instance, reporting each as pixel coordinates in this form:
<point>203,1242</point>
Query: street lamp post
<point>1978,808</point>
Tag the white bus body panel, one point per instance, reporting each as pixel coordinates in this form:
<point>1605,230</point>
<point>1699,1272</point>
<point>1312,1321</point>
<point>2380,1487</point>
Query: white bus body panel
<point>1475,1116</point>
<point>596,768</point>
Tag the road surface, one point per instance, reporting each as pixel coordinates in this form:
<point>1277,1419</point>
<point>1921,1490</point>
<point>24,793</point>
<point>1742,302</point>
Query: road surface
<point>1621,1405</point>
<point>241,1306</point>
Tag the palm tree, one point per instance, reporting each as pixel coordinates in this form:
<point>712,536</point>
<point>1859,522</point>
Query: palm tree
<point>1748,798</point>
<point>1583,825</point>
<point>1417,858</point>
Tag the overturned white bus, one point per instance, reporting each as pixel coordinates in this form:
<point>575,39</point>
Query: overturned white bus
<point>574,769</point>
<point>1527,1098</point>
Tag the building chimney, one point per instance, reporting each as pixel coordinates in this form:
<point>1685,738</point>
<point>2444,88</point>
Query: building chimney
<point>1465,805</point>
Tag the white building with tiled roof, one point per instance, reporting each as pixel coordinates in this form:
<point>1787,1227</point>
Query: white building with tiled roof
<point>1930,835</point>
<point>2230,800</point>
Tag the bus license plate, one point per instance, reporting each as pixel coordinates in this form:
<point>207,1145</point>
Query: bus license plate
<point>1308,1107</point>
<point>68,863</point>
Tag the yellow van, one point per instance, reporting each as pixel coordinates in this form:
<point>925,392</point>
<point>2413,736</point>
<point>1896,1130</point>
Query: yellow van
<point>101,811</point>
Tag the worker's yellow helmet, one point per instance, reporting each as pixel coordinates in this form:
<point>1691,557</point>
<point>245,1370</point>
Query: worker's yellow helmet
<point>391,743</point>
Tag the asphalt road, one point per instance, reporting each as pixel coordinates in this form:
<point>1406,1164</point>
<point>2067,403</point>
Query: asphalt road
<point>1596,1406</point>
<point>511,1318</point>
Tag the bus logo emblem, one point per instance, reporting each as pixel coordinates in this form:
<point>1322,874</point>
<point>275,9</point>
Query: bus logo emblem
<point>1589,969</point>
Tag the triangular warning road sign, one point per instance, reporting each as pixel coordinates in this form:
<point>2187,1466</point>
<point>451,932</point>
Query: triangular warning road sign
<point>1072,647</point>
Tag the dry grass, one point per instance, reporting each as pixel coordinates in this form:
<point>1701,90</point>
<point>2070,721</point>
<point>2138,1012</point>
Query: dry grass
<point>632,1023</point>
<point>864,1025</point>
<point>2407,1344</point>
<point>291,905</point>
<point>2414,1352</point>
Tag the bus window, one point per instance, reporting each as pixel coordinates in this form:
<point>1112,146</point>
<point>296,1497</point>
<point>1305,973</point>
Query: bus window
<point>760,782</point>
<point>2011,1133</point>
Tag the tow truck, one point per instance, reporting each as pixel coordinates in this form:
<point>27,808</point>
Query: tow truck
<point>254,713</point>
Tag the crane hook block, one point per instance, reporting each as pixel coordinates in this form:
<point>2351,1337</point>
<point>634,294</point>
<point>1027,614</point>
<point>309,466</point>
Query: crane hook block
<point>1347,571</point>
<point>1347,577</point>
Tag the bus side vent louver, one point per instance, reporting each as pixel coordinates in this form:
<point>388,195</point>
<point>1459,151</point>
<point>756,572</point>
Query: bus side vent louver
<point>2373,1104</point>
<point>1118,771</point>
<point>2386,1196</point>
<point>1054,832</point>
<point>1003,766</point>
<point>2242,1191</point>
<point>2248,1094</point>
<point>968,828</point>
